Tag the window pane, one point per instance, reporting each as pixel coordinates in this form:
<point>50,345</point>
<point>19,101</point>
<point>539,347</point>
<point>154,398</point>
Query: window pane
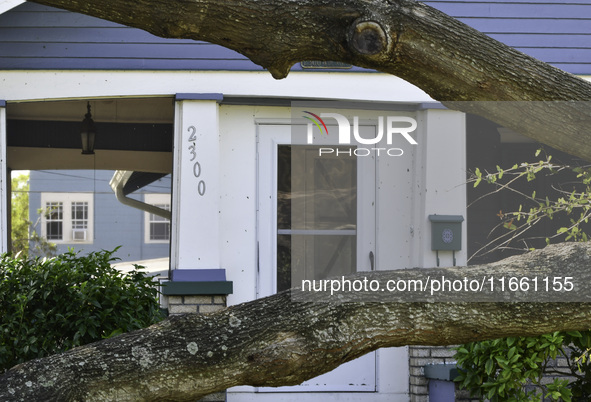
<point>284,187</point>
<point>313,257</point>
<point>283,262</point>
<point>79,215</point>
<point>317,257</point>
<point>54,210</point>
<point>54,230</point>
<point>316,215</point>
<point>159,231</point>
<point>323,190</point>
<point>54,220</point>
<point>159,226</point>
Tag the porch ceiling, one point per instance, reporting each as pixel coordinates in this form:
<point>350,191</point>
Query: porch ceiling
<point>157,110</point>
<point>20,158</point>
<point>132,134</point>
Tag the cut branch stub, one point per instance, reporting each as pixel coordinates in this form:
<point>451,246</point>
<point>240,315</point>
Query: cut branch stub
<point>367,38</point>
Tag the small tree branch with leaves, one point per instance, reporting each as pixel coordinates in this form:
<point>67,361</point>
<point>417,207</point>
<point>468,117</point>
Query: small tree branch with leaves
<point>574,203</point>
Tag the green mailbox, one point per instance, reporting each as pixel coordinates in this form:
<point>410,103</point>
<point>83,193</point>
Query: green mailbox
<point>446,234</point>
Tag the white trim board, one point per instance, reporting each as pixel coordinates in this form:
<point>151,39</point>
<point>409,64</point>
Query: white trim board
<point>22,86</point>
<point>6,5</point>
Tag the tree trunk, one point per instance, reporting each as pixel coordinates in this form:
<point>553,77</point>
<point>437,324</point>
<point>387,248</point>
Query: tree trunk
<point>442,56</point>
<point>278,341</point>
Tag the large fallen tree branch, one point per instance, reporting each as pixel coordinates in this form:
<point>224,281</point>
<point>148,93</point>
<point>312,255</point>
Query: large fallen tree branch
<point>442,56</point>
<point>276,341</point>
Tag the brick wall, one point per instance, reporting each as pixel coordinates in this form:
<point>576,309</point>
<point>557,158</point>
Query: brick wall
<point>419,357</point>
<point>201,304</point>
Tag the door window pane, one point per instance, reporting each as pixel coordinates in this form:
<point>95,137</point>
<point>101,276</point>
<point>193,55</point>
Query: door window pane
<point>317,214</point>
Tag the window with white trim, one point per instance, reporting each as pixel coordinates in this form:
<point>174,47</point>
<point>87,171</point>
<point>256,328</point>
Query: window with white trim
<point>79,220</point>
<point>54,220</point>
<point>157,228</point>
<point>67,217</point>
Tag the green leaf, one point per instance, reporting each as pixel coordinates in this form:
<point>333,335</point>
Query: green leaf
<point>488,366</point>
<point>96,303</point>
<point>511,352</point>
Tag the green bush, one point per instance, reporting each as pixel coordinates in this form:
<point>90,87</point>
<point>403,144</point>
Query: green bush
<point>521,368</point>
<point>51,305</point>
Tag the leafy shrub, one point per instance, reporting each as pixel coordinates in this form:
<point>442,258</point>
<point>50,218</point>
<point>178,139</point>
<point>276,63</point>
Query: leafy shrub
<point>514,368</point>
<point>51,305</point>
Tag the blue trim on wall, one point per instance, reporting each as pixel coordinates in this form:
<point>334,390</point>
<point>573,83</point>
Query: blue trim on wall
<point>2,103</point>
<point>205,96</point>
<point>170,288</point>
<point>198,275</point>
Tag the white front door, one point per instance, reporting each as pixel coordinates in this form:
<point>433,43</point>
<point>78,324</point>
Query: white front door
<point>316,220</point>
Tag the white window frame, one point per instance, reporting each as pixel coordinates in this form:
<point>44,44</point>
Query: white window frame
<point>161,200</point>
<point>67,199</point>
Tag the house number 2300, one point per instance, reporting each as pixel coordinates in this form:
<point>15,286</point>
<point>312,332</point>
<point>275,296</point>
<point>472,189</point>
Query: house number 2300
<point>196,165</point>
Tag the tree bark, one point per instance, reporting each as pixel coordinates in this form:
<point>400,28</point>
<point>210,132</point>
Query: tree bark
<point>444,57</point>
<point>277,341</point>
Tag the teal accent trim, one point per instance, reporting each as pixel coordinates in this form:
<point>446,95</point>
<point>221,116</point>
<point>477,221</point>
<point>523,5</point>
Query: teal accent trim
<point>197,288</point>
<point>446,218</point>
<point>444,372</point>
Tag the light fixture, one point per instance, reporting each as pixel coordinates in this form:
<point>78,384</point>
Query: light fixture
<point>87,133</point>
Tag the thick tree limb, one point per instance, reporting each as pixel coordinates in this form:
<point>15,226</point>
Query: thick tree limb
<point>442,56</point>
<point>276,341</point>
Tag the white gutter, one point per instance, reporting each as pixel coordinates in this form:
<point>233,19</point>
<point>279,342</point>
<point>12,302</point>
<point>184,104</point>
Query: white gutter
<point>117,183</point>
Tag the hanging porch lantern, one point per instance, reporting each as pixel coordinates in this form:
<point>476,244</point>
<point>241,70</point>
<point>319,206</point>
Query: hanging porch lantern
<point>87,133</point>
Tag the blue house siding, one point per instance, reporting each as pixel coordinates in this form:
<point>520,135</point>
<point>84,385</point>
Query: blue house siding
<point>38,37</point>
<point>556,32</point>
<point>114,223</point>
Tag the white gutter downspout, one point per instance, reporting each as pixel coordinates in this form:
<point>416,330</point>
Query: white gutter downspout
<point>117,183</point>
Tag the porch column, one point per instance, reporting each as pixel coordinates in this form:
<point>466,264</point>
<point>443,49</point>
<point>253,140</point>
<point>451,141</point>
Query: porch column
<point>4,185</point>
<point>195,242</point>
<point>439,189</point>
